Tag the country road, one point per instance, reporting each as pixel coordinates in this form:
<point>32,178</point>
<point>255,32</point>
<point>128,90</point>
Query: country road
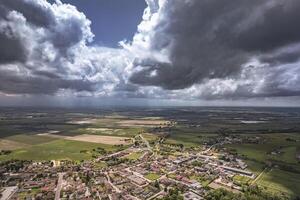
<point>146,143</point>
<point>260,175</point>
<point>59,185</point>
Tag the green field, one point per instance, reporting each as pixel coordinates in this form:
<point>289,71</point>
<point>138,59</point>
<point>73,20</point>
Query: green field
<point>31,146</point>
<point>263,152</point>
<point>31,193</point>
<point>134,155</point>
<point>284,176</point>
<point>255,167</point>
<point>279,181</point>
<point>100,165</point>
<point>187,137</point>
<point>111,131</point>
<point>57,150</point>
<point>11,145</point>
<point>152,176</point>
<point>30,139</point>
<point>241,179</point>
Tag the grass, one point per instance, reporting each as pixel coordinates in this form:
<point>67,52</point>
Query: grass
<point>289,155</point>
<point>279,181</point>
<point>172,176</point>
<point>100,165</point>
<point>11,145</point>
<point>177,142</point>
<point>189,137</point>
<point>150,137</point>
<point>29,193</point>
<point>134,156</point>
<point>241,179</point>
<point>202,180</point>
<point>262,152</point>
<point>255,167</point>
<point>30,139</point>
<point>111,131</point>
<point>57,150</point>
<point>152,176</point>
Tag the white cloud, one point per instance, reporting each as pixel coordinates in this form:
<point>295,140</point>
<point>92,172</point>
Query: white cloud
<point>48,51</point>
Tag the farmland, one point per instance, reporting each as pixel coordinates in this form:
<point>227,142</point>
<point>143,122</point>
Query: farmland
<point>268,140</point>
<point>275,161</point>
<point>57,150</point>
<point>279,181</point>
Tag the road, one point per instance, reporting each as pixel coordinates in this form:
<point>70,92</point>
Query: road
<point>207,150</point>
<point>138,175</point>
<point>156,195</point>
<point>146,142</point>
<point>109,181</point>
<point>59,185</point>
<point>111,155</point>
<point>8,192</point>
<point>258,177</point>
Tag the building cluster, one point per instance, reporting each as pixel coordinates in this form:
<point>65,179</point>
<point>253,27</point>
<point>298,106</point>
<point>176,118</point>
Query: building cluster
<point>151,176</point>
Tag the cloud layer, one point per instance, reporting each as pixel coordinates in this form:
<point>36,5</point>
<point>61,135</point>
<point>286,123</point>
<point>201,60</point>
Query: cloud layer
<point>232,48</point>
<point>183,49</point>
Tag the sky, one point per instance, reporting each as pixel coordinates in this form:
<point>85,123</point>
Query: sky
<point>109,16</point>
<point>152,52</point>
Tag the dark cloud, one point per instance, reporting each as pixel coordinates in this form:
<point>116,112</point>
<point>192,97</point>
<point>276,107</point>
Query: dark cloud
<point>34,11</point>
<point>11,49</point>
<point>285,56</point>
<point>45,84</point>
<point>39,45</point>
<point>190,49</point>
<point>276,26</point>
<point>211,39</point>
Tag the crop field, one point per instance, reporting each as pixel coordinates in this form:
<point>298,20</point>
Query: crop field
<point>11,145</point>
<point>21,141</point>
<point>30,139</point>
<point>60,135</point>
<point>255,167</point>
<point>274,142</point>
<point>111,140</point>
<point>79,131</point>
<point>120,132</point>
<point>102,139</point>
<point>57,150</point>
<point>189,139</point>
<point>283,176</point>
<point>143,123</point>
<point>279,181</point>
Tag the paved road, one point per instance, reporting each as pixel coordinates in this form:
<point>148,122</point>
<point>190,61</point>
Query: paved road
<point>111,155</point>
<point>59,185</point>
<point>109,181</point>
<point>8,192</point>
<point>156,195</point>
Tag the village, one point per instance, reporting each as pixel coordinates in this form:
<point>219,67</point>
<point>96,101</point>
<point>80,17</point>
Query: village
<point>140,171</point>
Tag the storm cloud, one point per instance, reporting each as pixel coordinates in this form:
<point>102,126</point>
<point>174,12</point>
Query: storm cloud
<point>42,48</point>
<point>200,42</point>
<point>183,49</point>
